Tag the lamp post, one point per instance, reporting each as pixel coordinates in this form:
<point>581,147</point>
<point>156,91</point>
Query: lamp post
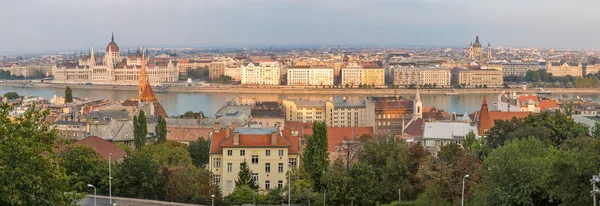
<point>213,200</point>
<point>462,203</point>
<point>289,184</point>
<point>109,179</point>
<point>90,185</point>
<point>595,179</point>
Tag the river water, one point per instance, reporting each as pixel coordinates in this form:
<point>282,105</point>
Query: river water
<point>177,103</point>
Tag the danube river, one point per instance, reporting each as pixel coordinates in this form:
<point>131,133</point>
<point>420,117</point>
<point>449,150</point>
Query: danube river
<point>179,102</point>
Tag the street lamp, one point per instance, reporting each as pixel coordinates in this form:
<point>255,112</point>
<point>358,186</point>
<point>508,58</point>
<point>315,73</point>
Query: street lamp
<point>595,179</point>
<point>463,191</point>
<point>109,179</point>
<point>213,199</point>
<point>90,185</point>
<point>289,183</point>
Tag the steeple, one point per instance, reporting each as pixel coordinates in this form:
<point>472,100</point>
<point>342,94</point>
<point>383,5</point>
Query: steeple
<point>484,118</point>
<point>418,106</point>
<point>112,37</point>
<point>476,38</point>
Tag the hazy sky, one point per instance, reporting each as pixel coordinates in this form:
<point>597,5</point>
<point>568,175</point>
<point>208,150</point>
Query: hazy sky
<point>50,25</point>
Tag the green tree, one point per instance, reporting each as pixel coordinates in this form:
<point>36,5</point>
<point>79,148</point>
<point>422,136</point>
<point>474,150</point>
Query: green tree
<point>137,177</point>
<point>336,180</point>
<point>68,94</point>
<point>273,197</point>
<point>347,86</point>
<point>11,95</point>
<point>189,184</point>
<point>190,114</point>
<point>199,151</point>
<point>245,177</point>
<point>161,130</point>
<point>316,155</point>
<point>515,174</point>
<point>29,173</point>
<point>140,130</point>
<point>596,130</point>
<point>450,153</point>
<point>242,194</point>
<point>84,166</point>
<point>169,154</point>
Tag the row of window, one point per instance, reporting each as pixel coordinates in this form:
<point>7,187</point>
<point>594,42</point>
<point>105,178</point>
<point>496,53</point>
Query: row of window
<point>229,186</point>
<point>291,161</point>
<point>243,153</point>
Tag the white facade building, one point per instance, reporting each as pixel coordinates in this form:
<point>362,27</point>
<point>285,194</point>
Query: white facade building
<point>262,73</point>
<point>306,75</point>
<point>352,75</point>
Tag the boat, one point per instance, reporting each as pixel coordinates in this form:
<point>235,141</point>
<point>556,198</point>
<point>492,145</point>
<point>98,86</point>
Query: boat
<point>543,92</point>
<point>452,93</point>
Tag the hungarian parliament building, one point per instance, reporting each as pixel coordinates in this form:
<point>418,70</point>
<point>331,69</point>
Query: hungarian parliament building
<point>113,69</point>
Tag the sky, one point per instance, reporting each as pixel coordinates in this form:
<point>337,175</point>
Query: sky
<point>72,25</point>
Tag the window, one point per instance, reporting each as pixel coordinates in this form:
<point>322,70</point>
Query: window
<point>430,143</point>
<point>255,177</point>
<point>293,162</point>
<point>229,152</point>
<point>254,159</point>
<point>268,153</point>
<point>267,185</point>
<point>217,162</point>
<point>229,167</point>
<point>268,167</point>
<point>217,179</point>
<point>280,184</point>
<point>280,168</point>
<point>229,185</point>
<point>242,152</point>
<point>281,153</point>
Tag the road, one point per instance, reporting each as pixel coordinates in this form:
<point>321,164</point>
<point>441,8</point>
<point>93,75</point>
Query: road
<point>101,201</point>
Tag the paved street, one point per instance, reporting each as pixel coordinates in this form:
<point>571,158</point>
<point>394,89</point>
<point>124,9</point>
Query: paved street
<point>101,201</point>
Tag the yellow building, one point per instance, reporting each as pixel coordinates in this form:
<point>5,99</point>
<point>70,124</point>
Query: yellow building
<point>479,77</point>
<point>373,75</point>
<point>269,152</point>
<point>419,76</point>
<point>563,68</point>
<point>352,75</point>
<point>335,113</point>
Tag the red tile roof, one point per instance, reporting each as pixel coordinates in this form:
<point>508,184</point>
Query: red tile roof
<point>220,140</point>
<point>336,135</point>
<point>102,147</point>
<point>415,128</point>
<point>187,134</point>
<point>548,105</point>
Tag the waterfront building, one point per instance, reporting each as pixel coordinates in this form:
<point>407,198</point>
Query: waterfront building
<point>478,77</point>
<point>352,75</point>
<point>511,102</point>
<point>422,75</point>
<point>269,152</point>
<point>518,68</point>
<point>183,65</point>
<point>307,75</point>
<point>373,75</point>
<point>564,68</point>
<point>392,114</point>
<point>261,73</point>
<point>216,70</point>
<point>112,69</point>
<point>18,69</point>
<point>335,113</point>
<point>234,72</point>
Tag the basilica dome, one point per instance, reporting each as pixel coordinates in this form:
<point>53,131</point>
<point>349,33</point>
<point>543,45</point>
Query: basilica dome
<point>112,46</point>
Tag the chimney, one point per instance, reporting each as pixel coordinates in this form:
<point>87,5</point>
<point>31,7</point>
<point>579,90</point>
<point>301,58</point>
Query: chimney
<point>274,138</point>
<point>236,138</point>
<point>233,125</point>
<point>217,126</point>
<point>278,125</point>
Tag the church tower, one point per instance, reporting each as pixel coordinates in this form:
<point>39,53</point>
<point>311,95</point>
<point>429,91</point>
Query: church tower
<point>145,93</point>
<point>471,50</point>
<point>489,51</point>
<point>418,106</point>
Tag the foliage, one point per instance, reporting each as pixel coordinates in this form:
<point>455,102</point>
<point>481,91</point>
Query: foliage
<point>198,73</point>
<point>84,166</point>
<point>551,128</point>
<point>316,156</point>
<point>596,130</point>
<point>124,147</point>
<point>474,146</point>
<point>169,154</point>
<point>140,130</point>
<point>515,173</point>
<point>161,130</point>
<point>223,79</point>
<point>336,180</point>
<point>30,174</point>
<point>192,115</point>
<point>137,177</point>
<point>431,197</point>
<point>586,82</point>
<point>273,197</point>
<point>68,94</point>
<point>245,177</point>
<point>241,195</point>
<point>302,191</point>
<point>187,183</point>
<point>199,151</point>
<point>5,74</point>
<point>11,95</point>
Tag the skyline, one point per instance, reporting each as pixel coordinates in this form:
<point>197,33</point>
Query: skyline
<point>69,25</point>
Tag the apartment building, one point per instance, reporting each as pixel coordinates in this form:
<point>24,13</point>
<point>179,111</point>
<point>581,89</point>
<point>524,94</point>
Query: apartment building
<point>518,68</point>
<point>261,73</point>
<point>269,152</point>
<point>564,68</point>
<point>352,75</point>
<point>216,69</point>
<point>335,113</point>
<point>373,75</point>
<point>422,75</point>
<point>307,75</point>
<point>478,77</point>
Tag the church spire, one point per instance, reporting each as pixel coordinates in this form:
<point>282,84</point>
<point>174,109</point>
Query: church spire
<point>112,37</point>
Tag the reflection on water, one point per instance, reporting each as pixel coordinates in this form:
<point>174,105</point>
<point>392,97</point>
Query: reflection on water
<point>177,103</point>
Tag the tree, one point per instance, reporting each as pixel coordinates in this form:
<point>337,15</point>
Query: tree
<point>137,177</point>
<point>30,173</point>
<point>140,130</point>
<point>199,150</point>
<point>68,94</point>
<point>336,180</point>
<point>169,154</point>
<point>316,155</point>
<point>11,95</point>
<point>596,130</point>
<point>245,177</point>
<point>192,115</point>
<point>189,184</point>
<point>273,197</point>
<point>515,174</point>
<point>161,130</point>
<point>84,166</point>
<point>241,195</point>
<point>347,86</point>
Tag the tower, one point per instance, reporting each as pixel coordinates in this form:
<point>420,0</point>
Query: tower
<point>475,50</point>
<point>471,50</point>
<point>145,92</point>
<point>484,118</point>
<point>418,106</point>
<point>489,51</point>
